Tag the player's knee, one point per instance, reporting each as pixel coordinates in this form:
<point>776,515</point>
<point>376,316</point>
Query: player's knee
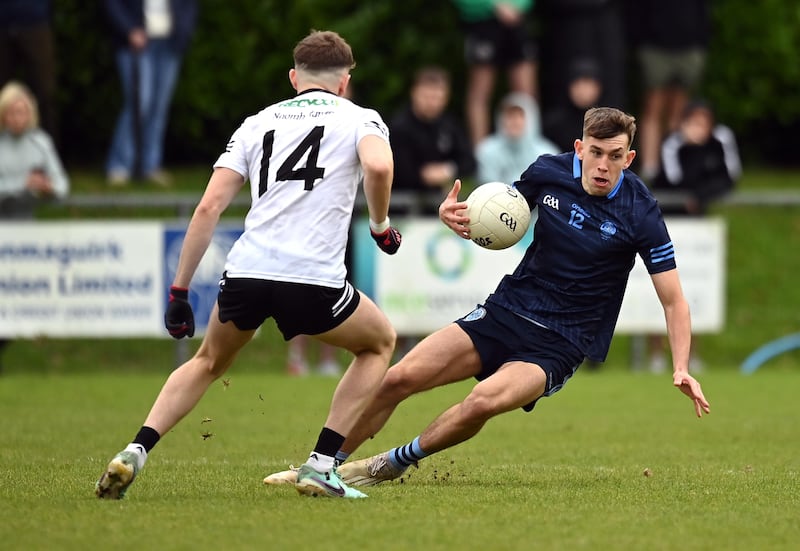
<point>398,383</point>
<point>385,343</point>
<point>478,407</point>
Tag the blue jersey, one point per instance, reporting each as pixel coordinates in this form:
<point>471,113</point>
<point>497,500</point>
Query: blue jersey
<point>573,276</point>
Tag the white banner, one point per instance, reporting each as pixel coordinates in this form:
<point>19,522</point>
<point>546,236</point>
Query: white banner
<point>700,255</point>
<point>439,278</point>
<point>65,279</point>
<point>99,279</point>
<point>436,277</point>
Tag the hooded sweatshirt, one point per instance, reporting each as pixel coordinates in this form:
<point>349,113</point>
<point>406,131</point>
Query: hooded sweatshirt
<point>502,158</point>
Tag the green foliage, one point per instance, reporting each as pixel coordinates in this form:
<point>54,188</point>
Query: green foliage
<point>753,62</point>
<point>570,475</point>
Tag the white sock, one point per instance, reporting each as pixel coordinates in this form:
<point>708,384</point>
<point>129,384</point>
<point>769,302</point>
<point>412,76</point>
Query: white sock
<point>320,463</point>
<point>140,452</point>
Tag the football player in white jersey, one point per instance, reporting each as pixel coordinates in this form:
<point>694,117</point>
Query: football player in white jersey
<point>304,158</point>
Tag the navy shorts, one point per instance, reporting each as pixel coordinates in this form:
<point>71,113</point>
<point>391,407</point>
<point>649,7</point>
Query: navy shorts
<point>297,308</point>
<point>501,336</point>
<point>492,43</point>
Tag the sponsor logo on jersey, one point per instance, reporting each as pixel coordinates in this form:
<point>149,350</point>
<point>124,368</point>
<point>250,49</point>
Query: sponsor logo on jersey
<point>476,314</point>
<point>580,209</point>
<point>308,102</point>
<point>607,229</point>
<point>550,201</point>
<point>375,124</point>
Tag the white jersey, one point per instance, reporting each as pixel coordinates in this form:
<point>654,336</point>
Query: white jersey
<point>301,159</point>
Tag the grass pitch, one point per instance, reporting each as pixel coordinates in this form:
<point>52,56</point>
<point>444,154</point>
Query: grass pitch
<point>571,475</point>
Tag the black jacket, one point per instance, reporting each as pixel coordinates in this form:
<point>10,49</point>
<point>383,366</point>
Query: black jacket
<point>416,143</point>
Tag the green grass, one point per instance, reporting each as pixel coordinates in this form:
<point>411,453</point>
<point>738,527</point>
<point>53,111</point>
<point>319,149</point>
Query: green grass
<point>568,476</point>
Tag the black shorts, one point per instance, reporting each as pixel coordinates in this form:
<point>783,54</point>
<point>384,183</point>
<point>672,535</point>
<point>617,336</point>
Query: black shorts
<point>501,336</point>
<point>297,308</point>
<point>492,43</point>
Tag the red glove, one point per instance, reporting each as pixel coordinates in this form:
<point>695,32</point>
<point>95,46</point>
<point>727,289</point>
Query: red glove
<point>388,241</point>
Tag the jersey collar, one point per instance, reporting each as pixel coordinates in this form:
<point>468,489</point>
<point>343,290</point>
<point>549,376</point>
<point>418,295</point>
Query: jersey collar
<point>577,169</point>
<point>309,90</point>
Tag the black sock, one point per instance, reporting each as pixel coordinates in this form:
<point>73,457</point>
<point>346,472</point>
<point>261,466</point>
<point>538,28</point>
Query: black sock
<point>328,442</point>
<point>147,437</point>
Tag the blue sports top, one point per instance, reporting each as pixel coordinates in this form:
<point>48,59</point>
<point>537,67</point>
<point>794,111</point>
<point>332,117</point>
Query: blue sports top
<point>573,275</point>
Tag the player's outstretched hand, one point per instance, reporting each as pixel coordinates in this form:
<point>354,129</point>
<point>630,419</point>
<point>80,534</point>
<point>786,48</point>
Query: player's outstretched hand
<point>388,240</point>
<point>454,212</point>
<point>689,386</point>
<point>179,318</point>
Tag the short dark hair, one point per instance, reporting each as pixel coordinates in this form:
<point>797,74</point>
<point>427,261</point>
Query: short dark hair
<point>322,51</point>
<point>607,122</point>
<point>432,75</point>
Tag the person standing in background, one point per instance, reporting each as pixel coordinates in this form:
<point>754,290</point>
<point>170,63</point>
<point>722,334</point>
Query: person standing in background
<point>670,40</point>
<point>497,37</point>
<point>298,358</point>
<point>27,54</point>
<point>150,37</point>
<point>580,29</point>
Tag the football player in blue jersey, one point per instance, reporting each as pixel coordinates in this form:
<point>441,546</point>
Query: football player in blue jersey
<point>558,308</point>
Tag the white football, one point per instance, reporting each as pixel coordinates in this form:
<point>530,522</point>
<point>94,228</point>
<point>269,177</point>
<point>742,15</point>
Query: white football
<point>498,215</point>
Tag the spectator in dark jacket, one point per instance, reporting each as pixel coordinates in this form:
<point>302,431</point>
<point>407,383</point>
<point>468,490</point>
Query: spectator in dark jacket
<point>430,147</point>
<point>150,39</point>
<point>700,159</point>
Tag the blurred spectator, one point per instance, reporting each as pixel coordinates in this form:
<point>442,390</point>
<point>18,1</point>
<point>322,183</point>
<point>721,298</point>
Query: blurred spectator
<point>430,146</point>
<point>564,122</point>
<point>496,37</point>
<point>150,37</point>
<point>701,160</point>
<point>670,40</point>
<point>27,53</point>
<point>576,30</point>
<point>517,142</point>
<point>30,168</point>
<point>298,364</point>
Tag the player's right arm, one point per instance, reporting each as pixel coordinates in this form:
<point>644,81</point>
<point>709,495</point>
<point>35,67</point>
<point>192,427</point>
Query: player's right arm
<point>377,164</point>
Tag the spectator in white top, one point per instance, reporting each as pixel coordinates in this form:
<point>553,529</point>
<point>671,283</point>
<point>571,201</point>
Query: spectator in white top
<point>30,167</point>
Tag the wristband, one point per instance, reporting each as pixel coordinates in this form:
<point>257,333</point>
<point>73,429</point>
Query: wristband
<point>379,228</point>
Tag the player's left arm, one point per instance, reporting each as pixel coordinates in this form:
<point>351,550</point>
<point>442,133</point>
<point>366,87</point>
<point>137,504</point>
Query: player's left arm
<point>222,187</point>
<point>679,330</point>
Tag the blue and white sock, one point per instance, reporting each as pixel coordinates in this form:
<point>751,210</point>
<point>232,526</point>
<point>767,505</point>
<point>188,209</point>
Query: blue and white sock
<point>407,455</point>
<point>340,457</point>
